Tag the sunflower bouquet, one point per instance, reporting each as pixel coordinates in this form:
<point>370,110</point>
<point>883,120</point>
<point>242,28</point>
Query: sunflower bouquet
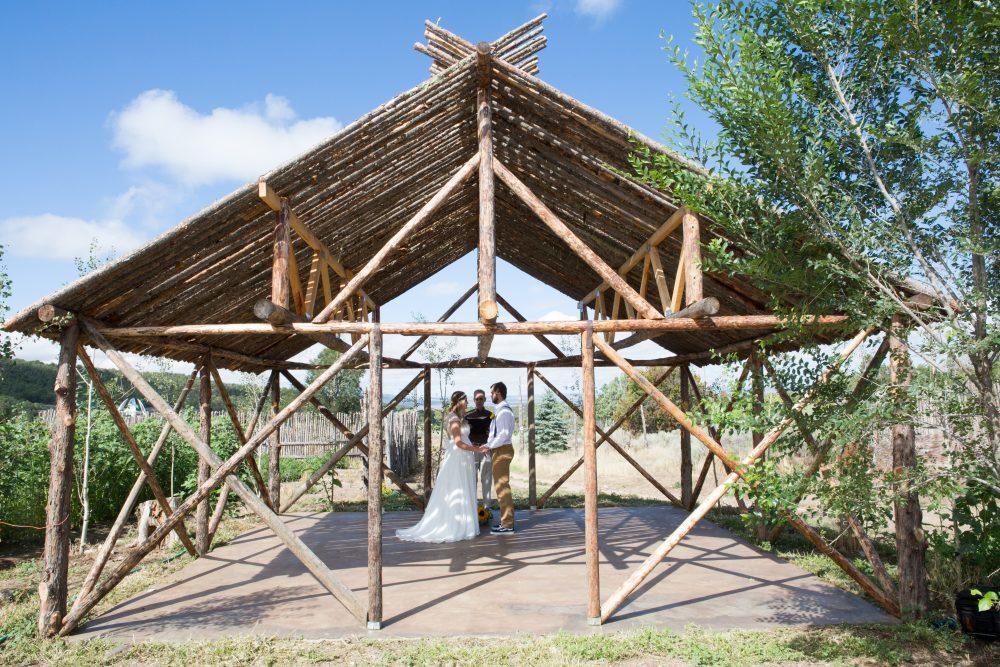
<point>485,514</point>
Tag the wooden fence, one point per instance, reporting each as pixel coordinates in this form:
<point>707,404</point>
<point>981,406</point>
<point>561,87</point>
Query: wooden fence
<point>308,434</point>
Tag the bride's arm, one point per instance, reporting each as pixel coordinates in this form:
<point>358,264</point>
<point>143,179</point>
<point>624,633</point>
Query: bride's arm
<point>455,428</point>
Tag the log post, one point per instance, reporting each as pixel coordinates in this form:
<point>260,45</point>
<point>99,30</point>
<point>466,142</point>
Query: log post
<point>590,480</point>
<point>757,385</point>
<point>204,469</point>
<point>691,253</point>
<point>687,488</point>
<point>274,445</point>
<point>910,541</point>
<point>428,432</point>
<point>532,471</point>
<point>52,589</point>
<point>280,284</point>
<point>375,447</point>
<point>487,274</point>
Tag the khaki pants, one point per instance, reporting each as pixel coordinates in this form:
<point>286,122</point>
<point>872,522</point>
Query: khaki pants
<point>501,483</point>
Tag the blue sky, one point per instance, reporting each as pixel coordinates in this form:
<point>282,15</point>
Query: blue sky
<point>121,119</point>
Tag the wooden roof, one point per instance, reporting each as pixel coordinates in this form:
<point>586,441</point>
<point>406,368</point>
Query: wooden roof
<point>360,186</point>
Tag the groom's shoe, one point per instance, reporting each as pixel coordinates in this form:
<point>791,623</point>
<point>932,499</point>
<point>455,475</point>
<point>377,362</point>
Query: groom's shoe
<point>501,530</point>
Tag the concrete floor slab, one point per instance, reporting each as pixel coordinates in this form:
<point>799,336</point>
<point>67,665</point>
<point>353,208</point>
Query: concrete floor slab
<point>531,582</point>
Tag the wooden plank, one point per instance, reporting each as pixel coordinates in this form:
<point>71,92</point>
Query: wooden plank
<point>376,445</point>
<point>581,249</point>
<point>590,528</point>
<point>692,257</point>
<point>677,300</point>
<point>425,212</point>
<point>53,587</point>
<point>660,279</point>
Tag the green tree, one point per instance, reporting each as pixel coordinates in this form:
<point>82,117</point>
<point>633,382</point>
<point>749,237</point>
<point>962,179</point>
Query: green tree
<point>620,394</point>
<point>857,152</point>
<point>551,425</point>
<point>343,392</point>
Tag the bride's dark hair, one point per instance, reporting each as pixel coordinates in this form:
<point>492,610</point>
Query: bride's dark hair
<point>456,398</point>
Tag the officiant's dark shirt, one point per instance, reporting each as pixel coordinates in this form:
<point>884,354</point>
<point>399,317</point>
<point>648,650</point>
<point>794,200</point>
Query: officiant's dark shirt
<point>479,425</point>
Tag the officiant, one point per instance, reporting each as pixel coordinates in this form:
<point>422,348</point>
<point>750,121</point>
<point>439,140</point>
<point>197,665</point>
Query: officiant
<point>479,419</point>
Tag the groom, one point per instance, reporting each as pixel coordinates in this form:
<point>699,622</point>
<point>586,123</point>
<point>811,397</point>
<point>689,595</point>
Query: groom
<point>501,452</point>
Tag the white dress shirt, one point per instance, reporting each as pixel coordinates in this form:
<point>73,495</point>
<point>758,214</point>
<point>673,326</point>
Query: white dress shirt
<point>501,427</point>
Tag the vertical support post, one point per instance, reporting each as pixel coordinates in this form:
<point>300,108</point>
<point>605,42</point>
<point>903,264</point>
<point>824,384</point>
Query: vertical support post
<point>52,589</point>
<point>201,536</point>
<point>910,541</point>
<point>691,252</point>
<point>375,446</point>
<point>687,488</point>
<point>590,478</point>
<point>281,294</point>
<point>487,277</point>
<point>274,444</point>
<point>428,423</point>
<point>532,471</point>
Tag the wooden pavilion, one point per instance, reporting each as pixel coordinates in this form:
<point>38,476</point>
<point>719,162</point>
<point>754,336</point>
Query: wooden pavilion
<point>308,253</point>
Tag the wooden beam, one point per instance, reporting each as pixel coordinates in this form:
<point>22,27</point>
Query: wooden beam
<point>660,279</point>
<point>375,454</point>
<point>532,471</point>
<point>693,281</point>
<point>280,283</point>
<point>133,446</point>
<point>606,437</point>
<point>53,587</point>
<point>428,433</point>
<point>223,470</point>
<point>487,218</point>
<point>590,529</point>
<point>204,469</point>
<point>425,212</point>
<point>581,249</point>
<point>639,575</point>
<point>668,406</point>
<point>561,327</point>
<point>312,285</point>
<point>274,444</point>
<point>661,233</point>
<point>448,313</point>
<point>685,441</point>
<point>241,435</point>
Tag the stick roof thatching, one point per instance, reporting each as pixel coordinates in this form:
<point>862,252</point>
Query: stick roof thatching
<point>360,186</point>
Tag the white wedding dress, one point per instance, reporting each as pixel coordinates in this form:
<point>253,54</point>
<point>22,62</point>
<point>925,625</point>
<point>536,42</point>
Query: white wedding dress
<point>450,515</point>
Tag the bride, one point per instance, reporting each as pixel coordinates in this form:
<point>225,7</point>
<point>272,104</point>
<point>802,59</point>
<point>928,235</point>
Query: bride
<point>450,515</point>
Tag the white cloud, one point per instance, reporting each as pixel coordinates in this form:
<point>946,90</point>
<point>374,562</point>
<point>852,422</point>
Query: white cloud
<point>443,288</point>
<point>50,236</point>
<point>157,130</point>
<point>597,9</point>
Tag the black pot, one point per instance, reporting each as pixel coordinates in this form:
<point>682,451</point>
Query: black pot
<point>980,624</point>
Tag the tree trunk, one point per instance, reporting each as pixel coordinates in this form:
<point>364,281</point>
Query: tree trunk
<point>910,541</point>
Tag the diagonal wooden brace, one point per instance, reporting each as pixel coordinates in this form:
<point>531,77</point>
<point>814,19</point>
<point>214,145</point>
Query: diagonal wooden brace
<point>668,406</point>
<point>618,448</point>
<point>354,440</point>
<point>614,427</point>
<point>147,469</point>
<point>241,436</point>
<point>104,553</point>
<point>223,470</point>
<point>646,567</point>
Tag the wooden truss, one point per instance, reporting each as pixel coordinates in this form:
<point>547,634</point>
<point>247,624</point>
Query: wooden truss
<point>331,301</point>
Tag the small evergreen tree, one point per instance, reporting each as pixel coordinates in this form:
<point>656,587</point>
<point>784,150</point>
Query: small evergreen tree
<point>551,426</point>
